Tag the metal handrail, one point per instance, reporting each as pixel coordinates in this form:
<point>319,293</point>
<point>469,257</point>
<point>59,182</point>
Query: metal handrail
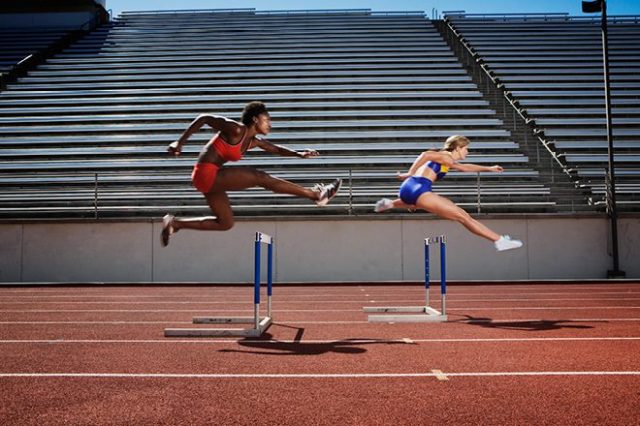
<point>32,58</point>
<point>545,16</point>
<point>478,62</point>
<point>351,208</point>
<point>175,11</point>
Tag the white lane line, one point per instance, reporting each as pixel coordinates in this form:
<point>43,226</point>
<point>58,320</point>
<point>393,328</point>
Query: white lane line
<point>465,309</point>
<point>329,341</point>
<point>540,308</point>
<point>310,288</point>
<point>169,310</point>
<point>92,322</point>
<point>622,294</point>
<point>440,375</point>
<point>317,375</point>
<point>202,301</point>
<point>490,321</point>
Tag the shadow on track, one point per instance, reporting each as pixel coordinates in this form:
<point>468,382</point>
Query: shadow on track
<point>532,325</point>
<point>266,345</point>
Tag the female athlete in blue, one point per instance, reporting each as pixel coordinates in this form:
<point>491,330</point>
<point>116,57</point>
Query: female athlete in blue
<point>430,166</point>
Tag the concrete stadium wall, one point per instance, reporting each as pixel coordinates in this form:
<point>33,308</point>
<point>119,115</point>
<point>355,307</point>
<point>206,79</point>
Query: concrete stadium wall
<point>311,251</point>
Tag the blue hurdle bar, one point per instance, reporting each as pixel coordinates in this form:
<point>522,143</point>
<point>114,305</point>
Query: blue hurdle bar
<point>425,313</point>
<point>443,270</point>
<point>259,324</point>
<point>443,273</point>
<point>426,271</point>
<point>262,238</point>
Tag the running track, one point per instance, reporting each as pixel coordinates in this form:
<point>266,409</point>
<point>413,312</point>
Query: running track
<point>519,354</point>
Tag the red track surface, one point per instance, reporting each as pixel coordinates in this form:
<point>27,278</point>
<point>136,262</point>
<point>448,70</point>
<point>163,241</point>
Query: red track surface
<point>521,354</point>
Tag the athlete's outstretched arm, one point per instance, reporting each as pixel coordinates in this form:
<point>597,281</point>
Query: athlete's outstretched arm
<point>283,150</point>
<point>229,129</point>
<point>468,167</point>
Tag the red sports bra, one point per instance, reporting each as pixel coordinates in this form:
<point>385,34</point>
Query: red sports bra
<point>227,151</point>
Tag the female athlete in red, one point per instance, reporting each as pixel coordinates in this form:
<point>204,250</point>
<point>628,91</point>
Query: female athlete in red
<point>211,177</point>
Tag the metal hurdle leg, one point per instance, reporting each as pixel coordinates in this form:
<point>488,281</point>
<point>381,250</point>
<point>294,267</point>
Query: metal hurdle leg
<point>443,275</point>
<point>260,324</point>
<point>424,313</point>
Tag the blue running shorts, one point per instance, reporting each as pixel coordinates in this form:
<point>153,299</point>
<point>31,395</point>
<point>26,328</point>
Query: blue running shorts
<point>412,188</point>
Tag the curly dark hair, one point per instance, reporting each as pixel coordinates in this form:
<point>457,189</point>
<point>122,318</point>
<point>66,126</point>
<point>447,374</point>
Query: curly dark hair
<point>253,109</point>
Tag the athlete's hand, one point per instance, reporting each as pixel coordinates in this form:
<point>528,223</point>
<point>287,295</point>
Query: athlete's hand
<point>402,176</point>
<point>174,148</point>
<point>309,153</point>
<point>496,168</point>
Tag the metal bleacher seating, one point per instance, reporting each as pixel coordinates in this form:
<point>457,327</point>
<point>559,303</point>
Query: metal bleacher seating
<point>85,134</point>
<point>552,65</point>
<point>18,43</point>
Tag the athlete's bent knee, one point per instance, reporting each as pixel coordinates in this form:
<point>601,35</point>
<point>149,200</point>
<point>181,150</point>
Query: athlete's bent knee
<point>226,224</point>
<point>462,217</point>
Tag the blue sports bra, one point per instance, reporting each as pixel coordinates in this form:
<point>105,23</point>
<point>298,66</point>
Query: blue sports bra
<point>439,169</point>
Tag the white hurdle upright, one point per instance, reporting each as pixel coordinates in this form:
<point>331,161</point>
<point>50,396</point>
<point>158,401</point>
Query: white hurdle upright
<point>260,324</point>
<point>423,313</point>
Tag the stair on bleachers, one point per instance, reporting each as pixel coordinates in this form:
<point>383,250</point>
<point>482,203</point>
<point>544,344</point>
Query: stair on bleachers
<point>85,134</point>
<point>552,66</point>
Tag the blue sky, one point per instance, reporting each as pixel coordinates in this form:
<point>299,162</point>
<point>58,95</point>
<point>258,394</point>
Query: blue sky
<point>614,7</point>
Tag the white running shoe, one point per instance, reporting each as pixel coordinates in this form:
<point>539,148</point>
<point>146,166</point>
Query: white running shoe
<point>167,229</point>
<point>383,205</point>
<point>327,192</point>
<point>506,243</point>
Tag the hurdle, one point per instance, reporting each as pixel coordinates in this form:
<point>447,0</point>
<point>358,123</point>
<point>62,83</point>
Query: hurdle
<point>260,324</point>
<point>423,313</point>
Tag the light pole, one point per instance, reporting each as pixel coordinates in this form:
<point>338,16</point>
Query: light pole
<point>595,7</point>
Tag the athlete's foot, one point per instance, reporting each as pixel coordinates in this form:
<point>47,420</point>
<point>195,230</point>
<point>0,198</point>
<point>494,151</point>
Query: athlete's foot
<point>327,192</point>
<point>167,229</point>
<point>506,243</point>
<point>383,205</point>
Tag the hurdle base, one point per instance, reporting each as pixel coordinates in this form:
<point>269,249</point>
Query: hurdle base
<point>263,325</point>
<point>424,314</point>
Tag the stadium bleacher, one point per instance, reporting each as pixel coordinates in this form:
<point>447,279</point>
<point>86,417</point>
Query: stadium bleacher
<point>552,67</point>
<point>18,43</point>
<point>84,135</point>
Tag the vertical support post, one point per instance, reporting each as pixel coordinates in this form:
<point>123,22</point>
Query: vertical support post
<point>478,187</point>
<point>613,213</point>
<point>95,195</point>
<point>443,273</point>
<point>256,282</point>
<point>269,276</point>
<point>594,7</point>
<point>426,271</point>
<point>350,192</point>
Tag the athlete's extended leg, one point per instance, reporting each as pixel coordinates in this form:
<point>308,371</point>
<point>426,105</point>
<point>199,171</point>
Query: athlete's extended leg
<point>385,204</point>
<point>239,178</point>
<point>221,221</point>
<point>446,209</point>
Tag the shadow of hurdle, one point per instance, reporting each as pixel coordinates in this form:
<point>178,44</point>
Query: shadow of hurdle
<point>267,345</point>
<point>525,325</point>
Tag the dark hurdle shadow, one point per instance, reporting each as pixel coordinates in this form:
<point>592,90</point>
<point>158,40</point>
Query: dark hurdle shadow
<point>266,345</point>
<point>535,325</point>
